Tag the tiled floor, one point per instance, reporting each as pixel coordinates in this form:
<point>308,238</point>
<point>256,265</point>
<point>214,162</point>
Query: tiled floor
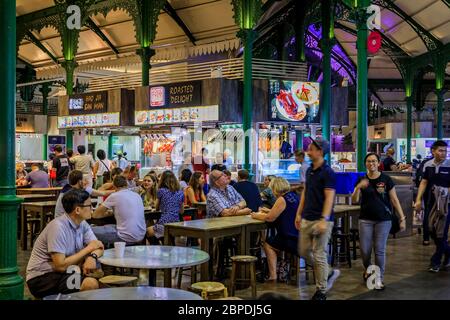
<point>406,277</point>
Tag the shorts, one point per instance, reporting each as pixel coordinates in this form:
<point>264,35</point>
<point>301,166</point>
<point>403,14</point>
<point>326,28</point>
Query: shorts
<point>283,243</point>
<point>52,283</point>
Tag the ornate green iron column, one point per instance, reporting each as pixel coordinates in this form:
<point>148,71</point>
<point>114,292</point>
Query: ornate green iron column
<point>408,78</point>
<point>246,15</point>
<point>110,146</point>
<point>362,83</point>
<point>145,15</point>
<point>327,45</point>
<point>439,117</point>
<point>11,284</point>
<point>45,89</point>
<point>440,65</point>
<point>69,139</point>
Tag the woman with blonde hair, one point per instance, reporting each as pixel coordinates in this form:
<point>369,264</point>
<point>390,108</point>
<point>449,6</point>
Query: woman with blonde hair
<point>170,201</point>
<point>282,215</point>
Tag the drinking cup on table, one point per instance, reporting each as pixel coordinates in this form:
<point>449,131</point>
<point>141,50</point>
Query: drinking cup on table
<point>119,248</point>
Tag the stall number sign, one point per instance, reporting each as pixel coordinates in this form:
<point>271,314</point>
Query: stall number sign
<point>186,94</point>
<point>88,103</point>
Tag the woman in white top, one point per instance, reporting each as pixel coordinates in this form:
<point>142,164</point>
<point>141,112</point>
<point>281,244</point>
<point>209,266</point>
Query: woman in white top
<point>101,166</point>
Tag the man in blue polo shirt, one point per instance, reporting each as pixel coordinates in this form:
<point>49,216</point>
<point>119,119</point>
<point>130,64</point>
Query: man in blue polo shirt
<point>437,175</point>
<point>314,217</point>
<point>66,242</point>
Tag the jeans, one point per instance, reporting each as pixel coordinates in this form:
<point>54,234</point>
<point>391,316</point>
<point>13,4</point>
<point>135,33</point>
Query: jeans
<point>107,234</point>
<point>314,249</point>
<point>442,247</point>
<point>374,234</point>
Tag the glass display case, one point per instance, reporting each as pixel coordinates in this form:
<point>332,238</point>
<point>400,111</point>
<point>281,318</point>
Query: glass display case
<point>286,168</point>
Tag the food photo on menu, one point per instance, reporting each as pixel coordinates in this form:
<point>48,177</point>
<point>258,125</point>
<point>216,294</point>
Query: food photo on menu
<point>168,115</point>
<point>160,116</point>
<point>185,116</point>
<point>176,115</point>
<point>294,100</point>
<point>152,117</point>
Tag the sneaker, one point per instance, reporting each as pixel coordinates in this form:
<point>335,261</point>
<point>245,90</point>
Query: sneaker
<point>434,269</point>
<point>426,242</point>
<point>379,285</point>
<point>319,295</point>
<point>332,278</point>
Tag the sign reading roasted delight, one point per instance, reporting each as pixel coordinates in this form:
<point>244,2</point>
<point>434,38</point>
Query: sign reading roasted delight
<point>95,102</point>
<point>183,94</point>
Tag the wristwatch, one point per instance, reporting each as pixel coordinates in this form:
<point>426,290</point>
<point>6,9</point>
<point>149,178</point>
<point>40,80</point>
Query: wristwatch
<point>93,255</point>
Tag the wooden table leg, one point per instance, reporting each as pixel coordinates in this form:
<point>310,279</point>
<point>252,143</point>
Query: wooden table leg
<point>23,228</point>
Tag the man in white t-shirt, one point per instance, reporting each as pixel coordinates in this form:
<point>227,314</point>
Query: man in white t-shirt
<point>128,210</point>
<point>300,159</point>
<point>85,163</point>
<point>76,181</point>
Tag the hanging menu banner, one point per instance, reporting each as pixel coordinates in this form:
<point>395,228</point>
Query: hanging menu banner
<point>184,94</point>
<point>95,102</point>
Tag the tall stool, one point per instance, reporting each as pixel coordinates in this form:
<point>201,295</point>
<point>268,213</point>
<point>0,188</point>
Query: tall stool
<point>341,248</point>
<point>208,289</point>
<point>354,238</point>
<point>244,261</point>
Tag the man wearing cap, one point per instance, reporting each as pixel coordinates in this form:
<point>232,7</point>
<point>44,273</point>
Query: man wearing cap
<point>314,217</point>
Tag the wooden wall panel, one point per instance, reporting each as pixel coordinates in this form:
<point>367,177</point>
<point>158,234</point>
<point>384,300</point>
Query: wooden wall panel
<point>141,98</point>
<point>114,100</point>
<point>260,101</point>
<point>230,107</point>
<point>63,106</point>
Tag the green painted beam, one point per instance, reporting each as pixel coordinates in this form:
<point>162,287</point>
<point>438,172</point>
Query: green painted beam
<point>447,2</point>
<point>11,284</point>
<point>387,42</point>
<point>91,25</point>
<point>174,15</point>
<point>38,44</point>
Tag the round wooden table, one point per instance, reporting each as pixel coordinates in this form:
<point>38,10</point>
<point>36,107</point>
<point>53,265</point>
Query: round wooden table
<point>128,293</point>
<point>150,258</point>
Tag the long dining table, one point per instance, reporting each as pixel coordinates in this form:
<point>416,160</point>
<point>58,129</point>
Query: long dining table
<point>240,227</point>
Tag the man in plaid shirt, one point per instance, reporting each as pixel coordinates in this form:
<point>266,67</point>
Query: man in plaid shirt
<point>223,200</point>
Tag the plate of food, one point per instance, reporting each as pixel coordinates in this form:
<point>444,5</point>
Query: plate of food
<point>141,117</point>
<point>160,116</point>
<point>152,117</point>
<point>305,92</point>
<point>288,108</point>
<point>168,115</point>
<point>185,114</point>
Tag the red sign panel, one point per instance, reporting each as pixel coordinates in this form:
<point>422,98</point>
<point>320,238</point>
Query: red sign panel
<point>157,97</point>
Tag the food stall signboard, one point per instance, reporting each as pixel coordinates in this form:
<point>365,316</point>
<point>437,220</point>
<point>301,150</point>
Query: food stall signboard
<point>200,113</point>
<point>95,102</point>
<point>294,101</point>
<point>89,120</point>
<point>184,94</point>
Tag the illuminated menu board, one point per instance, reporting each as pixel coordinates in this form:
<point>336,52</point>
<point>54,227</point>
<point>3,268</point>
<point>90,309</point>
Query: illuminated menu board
<point>158,116</point>
<point>89,120</point>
